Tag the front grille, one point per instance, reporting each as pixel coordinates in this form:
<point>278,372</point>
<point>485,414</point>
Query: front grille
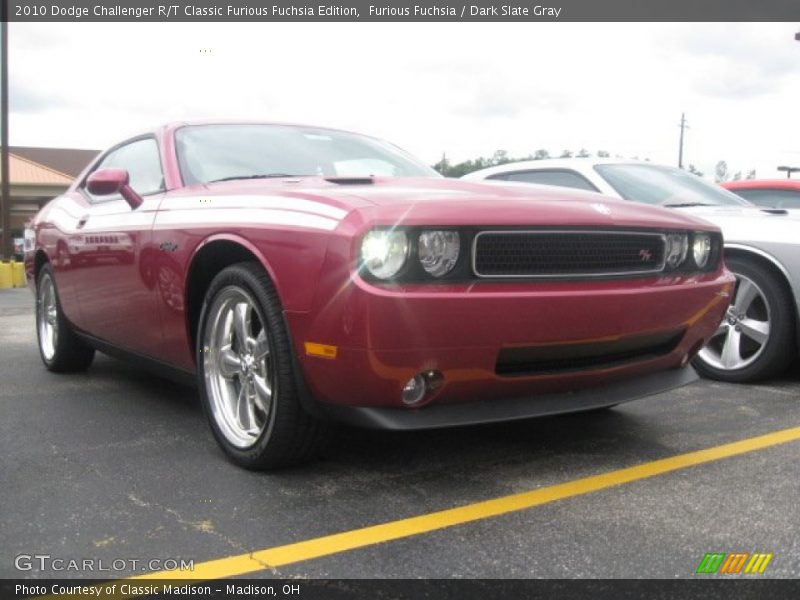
<point>567,253</point>
<point>557,358</point>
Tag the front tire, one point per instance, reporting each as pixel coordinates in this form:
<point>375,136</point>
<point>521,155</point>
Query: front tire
<point>61,350</point>
<point>756,339</point>
<point>246,374</point>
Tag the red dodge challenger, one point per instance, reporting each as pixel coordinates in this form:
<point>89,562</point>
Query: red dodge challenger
<point>303,275</point>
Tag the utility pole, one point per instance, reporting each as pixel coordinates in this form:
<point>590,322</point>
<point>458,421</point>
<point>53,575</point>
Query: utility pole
<point>5,189</point>
<point>683,126</point>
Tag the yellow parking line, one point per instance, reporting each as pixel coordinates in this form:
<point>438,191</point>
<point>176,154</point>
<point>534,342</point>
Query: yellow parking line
<point>402,528</point>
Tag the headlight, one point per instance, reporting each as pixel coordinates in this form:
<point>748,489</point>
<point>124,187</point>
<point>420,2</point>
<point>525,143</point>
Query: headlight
<point>384,252</point>
<point>701,248</point>
<point>438,251</point>
<point>677,248</point>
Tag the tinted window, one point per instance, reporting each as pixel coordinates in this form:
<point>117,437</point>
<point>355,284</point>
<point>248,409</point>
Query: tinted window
<point>209,153</point>
<point>666,186</point>
<point>557,177</point>
<point>141,160</point>
<point>771,198</point>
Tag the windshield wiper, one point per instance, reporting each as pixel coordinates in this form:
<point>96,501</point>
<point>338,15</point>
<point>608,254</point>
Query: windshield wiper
<point>264,176</point>
<point>687,204</point>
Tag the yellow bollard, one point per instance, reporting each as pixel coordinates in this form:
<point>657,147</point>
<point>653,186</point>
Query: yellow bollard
<point>18,274</point>
<point>5,276</point>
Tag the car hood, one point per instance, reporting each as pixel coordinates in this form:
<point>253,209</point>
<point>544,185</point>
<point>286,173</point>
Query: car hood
<point>442,201</point>
<point>750,223</point>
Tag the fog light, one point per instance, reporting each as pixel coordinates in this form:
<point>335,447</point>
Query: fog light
<point>414,390</point>
<point>434,379</point>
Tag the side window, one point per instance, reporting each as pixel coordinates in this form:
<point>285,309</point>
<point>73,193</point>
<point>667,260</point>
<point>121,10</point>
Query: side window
<point>557,177</point>
<point>142,161</point>
<point>771,198</point>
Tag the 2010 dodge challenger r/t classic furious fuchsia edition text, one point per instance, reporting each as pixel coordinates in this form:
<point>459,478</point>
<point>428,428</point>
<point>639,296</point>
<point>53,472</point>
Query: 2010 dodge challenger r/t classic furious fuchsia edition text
<point>303,275</point>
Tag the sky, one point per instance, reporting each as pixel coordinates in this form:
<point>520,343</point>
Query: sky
<point>462,89</point>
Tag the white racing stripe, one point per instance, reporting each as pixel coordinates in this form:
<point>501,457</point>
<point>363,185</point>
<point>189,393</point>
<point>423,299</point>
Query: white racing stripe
<point>253,201</point>
<point>242,216</point>
<point>119,222</point>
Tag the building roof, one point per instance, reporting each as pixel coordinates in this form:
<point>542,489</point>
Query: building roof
<point>27,172</point>
<point>68,161</point>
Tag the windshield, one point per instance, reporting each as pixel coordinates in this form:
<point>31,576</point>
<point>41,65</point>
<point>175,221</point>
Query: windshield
<point>209,153</point>
<point>666,186</point>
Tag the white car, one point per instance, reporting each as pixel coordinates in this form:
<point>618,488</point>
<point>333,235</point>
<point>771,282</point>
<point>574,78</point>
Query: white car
<point>760,336</point>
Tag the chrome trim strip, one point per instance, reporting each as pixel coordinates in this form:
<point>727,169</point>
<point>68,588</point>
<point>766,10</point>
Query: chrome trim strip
<point>659,269</point>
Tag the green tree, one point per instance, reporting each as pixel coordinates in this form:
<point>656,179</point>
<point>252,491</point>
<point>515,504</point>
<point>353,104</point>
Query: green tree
<point>443,166</point>
<point>693,170</point>
<point>500,157</point>
<point>721,172</point>
<point>541,154</point>
<point>566,154</point>
<point>603,154</point>
<point>751,174</point>
<point>583,153</point>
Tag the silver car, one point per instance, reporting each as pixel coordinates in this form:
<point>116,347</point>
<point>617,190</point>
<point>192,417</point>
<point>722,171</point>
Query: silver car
<point>760,336</point>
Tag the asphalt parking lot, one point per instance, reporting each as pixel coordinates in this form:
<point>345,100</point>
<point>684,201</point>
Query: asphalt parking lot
<point>119,464</point>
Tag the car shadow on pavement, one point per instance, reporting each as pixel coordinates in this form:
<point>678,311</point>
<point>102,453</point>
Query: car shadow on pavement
<point>610,438</point>
<point>604,431</point>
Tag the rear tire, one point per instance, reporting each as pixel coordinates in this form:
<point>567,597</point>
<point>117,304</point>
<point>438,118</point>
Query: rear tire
<point>61,350</point>
<point>757,338</point>
<point>246,374</point>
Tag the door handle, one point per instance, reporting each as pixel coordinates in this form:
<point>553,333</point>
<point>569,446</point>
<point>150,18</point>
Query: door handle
<point>82,221</point>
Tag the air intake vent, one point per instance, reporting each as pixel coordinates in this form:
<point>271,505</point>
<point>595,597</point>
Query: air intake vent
<point>350,180</point>
<point>557,358</point>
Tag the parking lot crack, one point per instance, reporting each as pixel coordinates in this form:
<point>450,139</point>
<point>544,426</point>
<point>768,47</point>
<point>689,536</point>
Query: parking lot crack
<point>263,565</point>
<point>205,526</point>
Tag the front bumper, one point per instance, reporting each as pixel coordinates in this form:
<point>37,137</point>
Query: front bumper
<point>511,409</point>
<point>386,335</point>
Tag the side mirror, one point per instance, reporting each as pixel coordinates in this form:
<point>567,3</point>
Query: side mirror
<point>105,182</point>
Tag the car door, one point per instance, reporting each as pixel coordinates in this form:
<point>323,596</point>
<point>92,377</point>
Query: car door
<point>115,296</point>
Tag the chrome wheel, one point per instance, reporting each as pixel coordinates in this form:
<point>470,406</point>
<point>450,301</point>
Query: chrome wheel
<point>743,334</point>
<point>238,367</point>
<point>47,317</point>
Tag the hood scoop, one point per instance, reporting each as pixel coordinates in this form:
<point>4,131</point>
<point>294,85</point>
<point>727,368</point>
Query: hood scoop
<point>775,211</point>
<point>351,180</point>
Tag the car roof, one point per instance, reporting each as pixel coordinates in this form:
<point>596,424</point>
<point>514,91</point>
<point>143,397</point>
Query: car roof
<point>173,125</point>
<point>777,184</point>
<point>582,165</point>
